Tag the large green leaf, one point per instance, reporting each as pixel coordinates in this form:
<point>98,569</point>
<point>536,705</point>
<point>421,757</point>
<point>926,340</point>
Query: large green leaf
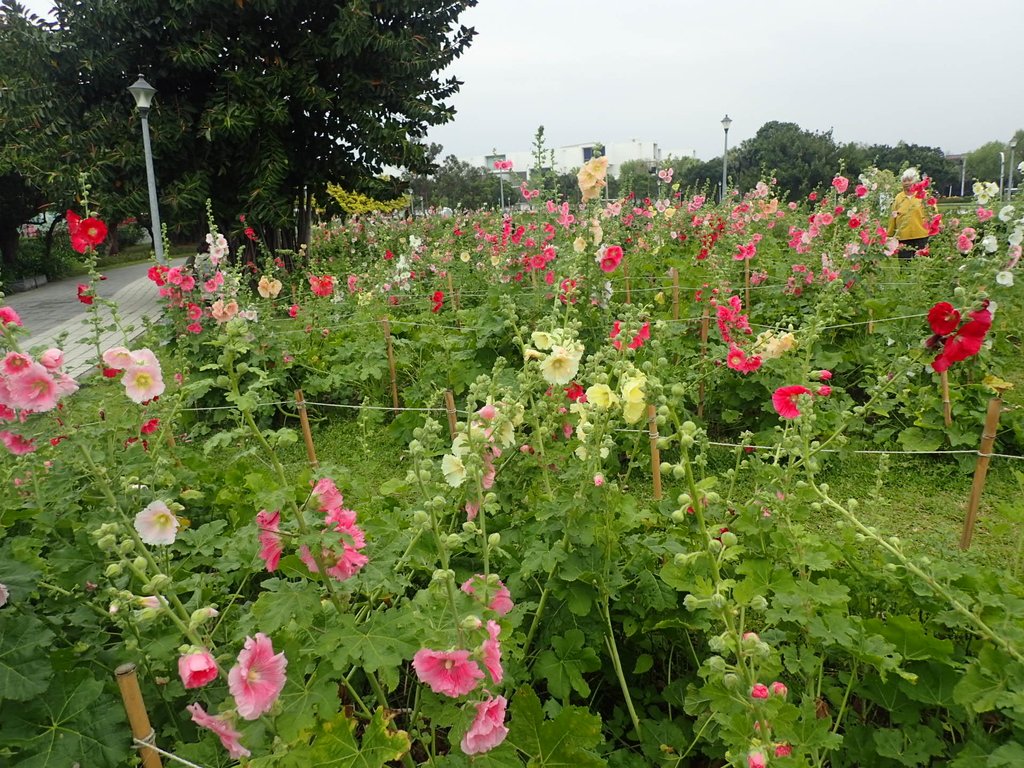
<point>567,741</point>
<point>74,723</point>
<point>336,746</point>
<point>563,667</point>
<point>24,662</point>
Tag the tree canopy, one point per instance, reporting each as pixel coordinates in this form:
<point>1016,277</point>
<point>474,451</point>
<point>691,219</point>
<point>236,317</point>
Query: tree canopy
<point>260,103</point>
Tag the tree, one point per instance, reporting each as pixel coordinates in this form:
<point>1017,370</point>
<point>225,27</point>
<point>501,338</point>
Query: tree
<point>259,104</point>
<point>637,177</point>
<point>458,184</point>
<point>983,163</point>
<point>800,160</point>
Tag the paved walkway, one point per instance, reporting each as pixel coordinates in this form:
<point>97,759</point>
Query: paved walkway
<point>54,310</point>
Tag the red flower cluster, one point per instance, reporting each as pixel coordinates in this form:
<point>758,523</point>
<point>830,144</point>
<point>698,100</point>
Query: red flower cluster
<point>321,285</point>
<point>85,294</point>
<point>437,301</point>
<point>85,233</point>
<point>637,341</point>
<point>959,341</point>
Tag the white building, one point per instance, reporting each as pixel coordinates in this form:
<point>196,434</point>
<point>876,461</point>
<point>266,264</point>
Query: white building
<point>570,158</point>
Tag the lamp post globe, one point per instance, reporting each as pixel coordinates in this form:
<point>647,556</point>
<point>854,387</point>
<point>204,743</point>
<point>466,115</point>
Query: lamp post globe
<point>143,94</point>
<point>726,122</point>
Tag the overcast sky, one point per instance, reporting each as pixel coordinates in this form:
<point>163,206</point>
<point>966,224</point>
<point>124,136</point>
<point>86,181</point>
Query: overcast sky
<point>938,73</point>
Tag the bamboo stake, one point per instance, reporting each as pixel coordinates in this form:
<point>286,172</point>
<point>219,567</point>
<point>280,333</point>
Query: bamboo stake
<point>136,709</point>
<point>453,293</point>
<point>449,406</point>
<point>391,362</point>
<point>652,429</point>
<point>307,434</point>
<point>947,406</point>
<point>625,272</point>
<point>871,321</point>
<point>704,328</point>
<point>675,293</point>
<point>988,438</point>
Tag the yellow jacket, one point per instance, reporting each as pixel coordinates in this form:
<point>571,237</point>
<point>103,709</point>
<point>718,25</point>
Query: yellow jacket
<point>907,220</point>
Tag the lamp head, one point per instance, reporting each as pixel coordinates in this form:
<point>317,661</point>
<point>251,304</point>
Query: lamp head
<point>143,93</point>
<point>1013,143</point>
<point>726,122</point>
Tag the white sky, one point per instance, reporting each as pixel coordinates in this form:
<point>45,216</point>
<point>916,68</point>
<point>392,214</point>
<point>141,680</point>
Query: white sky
<point>941,73</point>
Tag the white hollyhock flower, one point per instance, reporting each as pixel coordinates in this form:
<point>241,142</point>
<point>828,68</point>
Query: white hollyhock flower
<point>1005,278</point>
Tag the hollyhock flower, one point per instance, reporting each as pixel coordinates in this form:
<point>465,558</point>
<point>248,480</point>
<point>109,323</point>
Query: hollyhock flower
<point>576,393</point>
<point>602,396</point>
<point>757,759</point>
<point>453,469</point>
<point>346,564</point>
<point>610,257</point>
<point>823,391</point>
<point>322,285</point>
<point>560,366</point>
<point>85,233</point>
<point>491,652</point>
<point>9,317</point>
<point>501,601</point>
<point>157,524</point>
<point>229,737</point>
<point>118,357</point>
<point>783,750</point>
<point>269,287</point>
<point>488,729</point>
<point>15,363</point>
<point>143,382</point>
<point>293,310</point>
<point>326,495</point>
<point>257,679</point>
<point>449,672</point>
<point>784,400</point>
<point>779,689</point>
<point>598,480</point>
<point>1005,278</point>
<point>52,359</point>
<point>633,398</point>
<point>437,301</point>
<point>840,183</point>
<point>860,190</point>
<point>943,318</point>
<point>33,389</point>
<point>222,312</point>
<point>759,691</point>
<point>197,668</point>
<point>17,444</point>
<point>271,549</point>
<point>84,294</point>
<point>149,427</point>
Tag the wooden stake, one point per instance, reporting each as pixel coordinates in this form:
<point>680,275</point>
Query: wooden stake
<point>871,321</point>
<point>675,293</point>
<point>705,325</point>
<point>988,438</point>
<point>391,362</point>
<point>307,434</point>
<point>453,293</point>
<point>652,430</point>
<point>136,709</point>
<point>625,272</point>
<point>449,406</point>
<point>947,406</point>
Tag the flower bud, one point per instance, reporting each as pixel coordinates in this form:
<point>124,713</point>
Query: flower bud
<point>729,539</point>
<point>494,540</point>
<point>471,623</point>
<point>113,570</point>
<point>126,547</point>
<point>730,680</point>
<point>107,543</point>
<point>139,564</point>
<point>758,603</point>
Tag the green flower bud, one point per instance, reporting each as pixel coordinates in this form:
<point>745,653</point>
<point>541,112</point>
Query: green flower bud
<point>758,603</point>
<point>114,570</point>
<point>107,543</point>
<point>729,539</point>
<point>494,539</point>
<point>730,680</point>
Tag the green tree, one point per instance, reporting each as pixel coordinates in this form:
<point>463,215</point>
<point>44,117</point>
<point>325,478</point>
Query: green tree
<point>457,184</point>
<point>983,163</point>
<point>259,104</point>
<point>800,160</point>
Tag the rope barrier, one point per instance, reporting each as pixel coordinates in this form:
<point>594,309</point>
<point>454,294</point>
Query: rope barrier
<point>139,743</point>
<point>323,405</point>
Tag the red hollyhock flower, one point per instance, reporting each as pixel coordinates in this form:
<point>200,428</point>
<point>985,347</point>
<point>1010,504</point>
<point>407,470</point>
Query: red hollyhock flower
<point>438,301</point>
<point>85,233</point>
<point>576,393</point>
<point>784,400</point>
<point>150,426</point>
<point>250,233</point>
<point>611,258</point>
<point>84,294</point>
<point>943,318</point>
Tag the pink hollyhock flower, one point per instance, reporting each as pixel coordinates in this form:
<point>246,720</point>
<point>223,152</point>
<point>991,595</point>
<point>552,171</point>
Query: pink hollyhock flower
<point>823,391</point>
<point>783,750</point>
<point>321,286</point>
<point>9,317</point>
<point>228,736</point>
<point>326,495</point>
<point>15,363</point>
<point>757,759</point>
<point>143,382</point>
<point>825,374</point>
<point>598,480</point>
<point>449,672</point>
<point>118,357</point>
<point>840,183</point>
<point>293,310</point>
<point>347,564</point>
<point>222,312</point>
<point>501,601</point>
<point>34,389</point>
<point>488,729</point>
<point>784,400</point>
<point>610,258</point>
<point>52,359</point>
<point>860,190</point>
<point>197,668</point>
<point>271,549</point>
<point>488,412</point>
<point>491,652</point>
<point>257,679</point>
<point>17,444</point>
<point>779,689</point>
<point>156,524</point>
<point>759,691</point>
<point>85,294</point>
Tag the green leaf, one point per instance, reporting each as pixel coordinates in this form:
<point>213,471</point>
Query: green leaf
<point>284,600</point>
<point>335,746</point>
<point>24,671</point>
<point>910,638</point>
<point>917,439</point>
<point>379,644</point>
<point>910,745</point>
<point>563,667</point>
<point>566,741</point>
<point>75,722</point>
<point>644,662</point>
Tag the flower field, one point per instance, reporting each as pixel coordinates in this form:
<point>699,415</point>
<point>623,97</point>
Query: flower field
<point>602,542</point>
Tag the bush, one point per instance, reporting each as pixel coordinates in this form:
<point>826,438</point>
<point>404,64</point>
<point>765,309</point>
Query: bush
<point>32,259</point>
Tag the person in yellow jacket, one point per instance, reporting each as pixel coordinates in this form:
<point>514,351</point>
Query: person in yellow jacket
<point>907,220</point>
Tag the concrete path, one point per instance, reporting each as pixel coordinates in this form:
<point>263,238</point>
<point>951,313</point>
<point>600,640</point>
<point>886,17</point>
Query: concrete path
<point>53,310</point>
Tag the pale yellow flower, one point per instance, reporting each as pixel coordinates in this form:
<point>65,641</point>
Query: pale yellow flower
<point>269,287</point>
<point>596,232</point>
<point>633,396</point>
<point>464,256</point>
<point>561,365</point>
<point>670,212</point>
<point>454,470</point>
<point>579,245</point>
<point>542,340</point>
<point>602,396</point>
<point>778,346</point>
